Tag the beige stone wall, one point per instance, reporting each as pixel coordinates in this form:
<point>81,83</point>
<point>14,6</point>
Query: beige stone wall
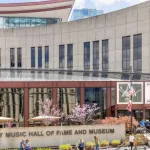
<point>112,26</point>
<point>55,139</point>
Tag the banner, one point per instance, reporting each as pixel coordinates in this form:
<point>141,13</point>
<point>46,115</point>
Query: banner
<point>147,92</point>
<point>124,92</point>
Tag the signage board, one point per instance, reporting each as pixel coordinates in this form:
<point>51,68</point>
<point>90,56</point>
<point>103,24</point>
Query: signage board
<point>123,92</point>
<point>57,135</point>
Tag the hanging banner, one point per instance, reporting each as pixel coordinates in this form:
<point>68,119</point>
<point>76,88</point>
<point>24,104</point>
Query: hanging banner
<point>124,92</point>
<point>147,92</point>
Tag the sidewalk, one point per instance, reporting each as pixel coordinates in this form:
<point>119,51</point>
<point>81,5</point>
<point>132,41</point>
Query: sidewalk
<point>128,148</point>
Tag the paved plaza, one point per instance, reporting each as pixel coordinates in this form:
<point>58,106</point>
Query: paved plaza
<point>129,148</point>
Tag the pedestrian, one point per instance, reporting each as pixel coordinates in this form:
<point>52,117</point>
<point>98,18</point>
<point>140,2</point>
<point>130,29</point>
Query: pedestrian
<point>28,145</point>
<point>22,145</point>
<point>96,142</point>
<point>81,144</point>
<point>131,140</point>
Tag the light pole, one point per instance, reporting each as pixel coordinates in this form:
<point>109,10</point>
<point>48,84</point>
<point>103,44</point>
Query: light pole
<point>131,96</point>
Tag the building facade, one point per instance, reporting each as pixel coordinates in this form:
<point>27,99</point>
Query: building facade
<point>75,62</point>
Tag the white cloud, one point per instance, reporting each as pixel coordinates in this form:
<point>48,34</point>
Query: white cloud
<point>109,2</point>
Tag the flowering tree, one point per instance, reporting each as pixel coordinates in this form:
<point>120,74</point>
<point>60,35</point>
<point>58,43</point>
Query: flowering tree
<point>49,112</point>
<point>84,114</point>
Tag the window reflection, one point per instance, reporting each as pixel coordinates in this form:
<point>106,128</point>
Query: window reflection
<point>137,53</point>
<point>12,104</point>
<point>104,57</point>
<point>97,96</point>
<point>126,53</point>
<point>68,98</point>
<point>12,57</point>
<point>70,56</point>
<point>61,56</point>
<point>96,55</point>
<point>13,22</point>
<point>36,95</point>
<point>87,55</point>
<point>32,57</point>
<point>46,56</point>
<point>39,57</point>
<point>19,57</point>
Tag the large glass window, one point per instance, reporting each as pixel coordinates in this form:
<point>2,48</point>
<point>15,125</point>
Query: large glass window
<point>15,22</point>
<point>87,55</point>
<point>105,55</point>
<point>39,57</point>
<point>61,56</point>
<point>105,58</point>
<point>12,57</point>
<point>96,55</point>
<point>46,56</point>
<point>36,95</point>
<point>96,96</point>
<point>12,105</point>
<point>19,57</point>
<point>32,57</point>
<point>70,56</point>
<point>137,52</point>
<point>68,98</point>
<point>126,53</point>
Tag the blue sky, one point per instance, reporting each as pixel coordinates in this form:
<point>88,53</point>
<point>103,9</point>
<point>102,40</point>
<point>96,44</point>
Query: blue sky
<point>106,5</point>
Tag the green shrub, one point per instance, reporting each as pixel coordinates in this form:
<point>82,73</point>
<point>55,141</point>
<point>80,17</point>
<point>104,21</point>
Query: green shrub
<point>104,143</point>
<point>89,145</point>
<point>65,147</point>
<point>115,142</point>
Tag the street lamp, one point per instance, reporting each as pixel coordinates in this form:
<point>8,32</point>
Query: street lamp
<point>131,94</point>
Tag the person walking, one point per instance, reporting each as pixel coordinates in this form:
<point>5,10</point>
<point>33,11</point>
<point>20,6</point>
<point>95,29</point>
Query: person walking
<point>131,140</point>
<point>22,145</point>
<point>28,145</point>
<point>81,144</point>
<point>96,142</point>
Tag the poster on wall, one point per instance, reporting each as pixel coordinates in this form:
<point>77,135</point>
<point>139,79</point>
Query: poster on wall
<point>124,92</point>
<point>147,92</point>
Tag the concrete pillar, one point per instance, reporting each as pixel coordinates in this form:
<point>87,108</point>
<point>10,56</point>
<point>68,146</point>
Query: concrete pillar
<point>82,96</point>
<point>54,96</point>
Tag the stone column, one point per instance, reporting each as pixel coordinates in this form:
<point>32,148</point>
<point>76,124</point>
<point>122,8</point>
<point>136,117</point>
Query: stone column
<point>54,95</point>
<point>82,96</point>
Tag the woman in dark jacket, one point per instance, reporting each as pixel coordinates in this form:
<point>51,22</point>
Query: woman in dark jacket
<point>81,144</point>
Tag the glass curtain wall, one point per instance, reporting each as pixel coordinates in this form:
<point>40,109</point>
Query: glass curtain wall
<point>96,96</point>
<point>12,105</point>
<point>16,22</point>
<point>36,95</point>
<point>68,98</point>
